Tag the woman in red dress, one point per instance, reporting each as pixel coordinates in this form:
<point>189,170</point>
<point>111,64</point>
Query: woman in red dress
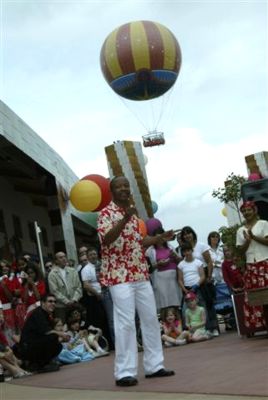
<point>252,240</point>
<point>7,287</point>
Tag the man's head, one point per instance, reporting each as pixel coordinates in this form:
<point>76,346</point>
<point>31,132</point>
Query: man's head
<point>92,255</point>
<point>48,303</point>
<point>48,266</point>
<point>82,250</point>
<point>27,257</point>
<point>60,259</point>
<point>120,189</point>
<point>83,260</point>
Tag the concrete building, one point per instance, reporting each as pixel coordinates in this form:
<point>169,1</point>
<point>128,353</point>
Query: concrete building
<point>35,184</point>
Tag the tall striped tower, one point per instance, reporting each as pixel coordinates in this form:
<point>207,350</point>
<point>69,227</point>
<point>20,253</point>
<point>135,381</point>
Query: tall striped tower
<point>126,158</point>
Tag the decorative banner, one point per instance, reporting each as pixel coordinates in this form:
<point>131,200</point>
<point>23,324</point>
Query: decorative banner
<point>142,228</point>
<point>85,195</point>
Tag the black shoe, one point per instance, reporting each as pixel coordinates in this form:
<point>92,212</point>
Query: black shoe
<point>51,367</point>
<point>161,373</point>
<point>126,381</point>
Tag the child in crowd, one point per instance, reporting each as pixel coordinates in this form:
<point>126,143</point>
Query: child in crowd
<point>97,342</point>
<point>232,274</point>
<point>75,350</point>
<point>195,319</point>
<point>173,335</point>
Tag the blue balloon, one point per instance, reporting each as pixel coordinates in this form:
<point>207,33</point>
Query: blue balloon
<point>154,207</point>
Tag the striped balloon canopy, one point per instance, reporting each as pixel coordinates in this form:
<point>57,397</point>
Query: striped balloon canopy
<point>141,60</point>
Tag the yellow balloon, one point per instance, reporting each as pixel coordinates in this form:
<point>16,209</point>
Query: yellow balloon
<point>224,212</point>
<point>85,195</point>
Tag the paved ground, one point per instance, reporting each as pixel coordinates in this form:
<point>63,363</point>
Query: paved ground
<point>225,368</point>
<point>14,392</point>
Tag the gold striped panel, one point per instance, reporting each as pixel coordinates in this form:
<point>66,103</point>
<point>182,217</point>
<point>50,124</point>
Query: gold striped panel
<point>142,185</point>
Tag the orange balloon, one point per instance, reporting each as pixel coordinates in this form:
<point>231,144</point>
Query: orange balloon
<point>85,195</point>
<point>142,228</point>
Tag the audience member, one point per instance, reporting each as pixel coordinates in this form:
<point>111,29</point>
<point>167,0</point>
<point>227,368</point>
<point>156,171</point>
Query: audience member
<point>105,294</point>
<point>191,275</point>
<point>92,299</point>
<point>216,254</point>
<point>164,260</point>
<point>8,284</point>
<point>64,283</point>
<point>33,287</point>
<point>232,274</point>
<point>201,252</point>
<point>195,319</point>
<point>172,332</point>
<point>9,362</point>
<point>39,343</point>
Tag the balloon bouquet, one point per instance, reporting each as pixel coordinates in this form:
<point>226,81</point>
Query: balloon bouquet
<point>91,194</point>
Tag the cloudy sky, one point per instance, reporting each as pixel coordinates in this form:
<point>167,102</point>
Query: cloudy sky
<point>215,115</point>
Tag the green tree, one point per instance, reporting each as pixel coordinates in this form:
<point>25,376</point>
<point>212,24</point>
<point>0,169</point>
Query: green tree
<point>231,193</point>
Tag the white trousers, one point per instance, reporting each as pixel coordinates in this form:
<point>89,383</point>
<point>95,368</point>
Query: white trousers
<point>128,297</point>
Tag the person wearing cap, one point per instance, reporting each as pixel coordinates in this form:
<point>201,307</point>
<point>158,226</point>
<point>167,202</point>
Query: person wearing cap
<point>252,240</point>
<point>125,271</point>
<point>207,289</point>
<point>195,319</point>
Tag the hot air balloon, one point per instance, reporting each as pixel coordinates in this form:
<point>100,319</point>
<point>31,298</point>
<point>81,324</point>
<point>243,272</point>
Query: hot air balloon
<point>141,60</point>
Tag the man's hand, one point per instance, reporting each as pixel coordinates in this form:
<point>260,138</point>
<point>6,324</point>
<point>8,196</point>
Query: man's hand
<point>131,210</point>
<point>164,237</point>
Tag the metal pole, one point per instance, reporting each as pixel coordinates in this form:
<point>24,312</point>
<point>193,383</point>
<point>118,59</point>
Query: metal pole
<point>37,232</point>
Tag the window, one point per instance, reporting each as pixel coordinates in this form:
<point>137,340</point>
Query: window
<point>31,231</point>
<point>17,226</point>
<point>44,236</point>
<point>2,222</point>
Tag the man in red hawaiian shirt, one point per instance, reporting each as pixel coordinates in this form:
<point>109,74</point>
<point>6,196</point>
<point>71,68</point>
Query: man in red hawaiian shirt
<point>125,272</point>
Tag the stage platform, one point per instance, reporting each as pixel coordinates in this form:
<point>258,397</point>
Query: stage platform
<point>222,367</point>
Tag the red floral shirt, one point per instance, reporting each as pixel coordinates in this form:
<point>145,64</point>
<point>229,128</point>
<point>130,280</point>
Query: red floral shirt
<point>123,260</point>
